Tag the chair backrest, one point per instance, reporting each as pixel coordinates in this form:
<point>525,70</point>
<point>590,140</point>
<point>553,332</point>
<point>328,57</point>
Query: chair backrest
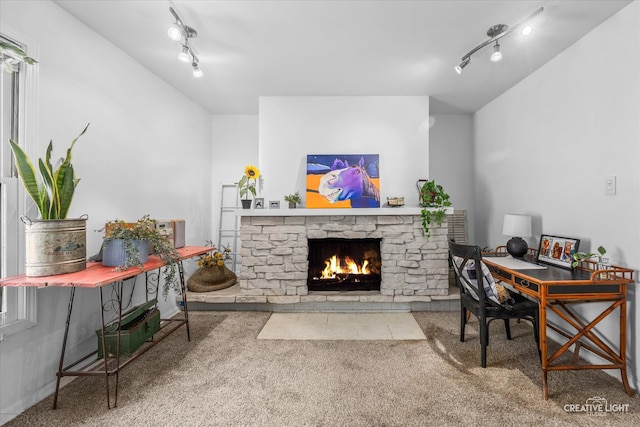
<point>470,271</point>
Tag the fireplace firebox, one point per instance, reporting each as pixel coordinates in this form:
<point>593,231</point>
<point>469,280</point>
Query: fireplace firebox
<point>344,264</point>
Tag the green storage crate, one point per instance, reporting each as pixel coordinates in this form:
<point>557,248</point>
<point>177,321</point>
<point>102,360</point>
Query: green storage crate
<point>138,325</point>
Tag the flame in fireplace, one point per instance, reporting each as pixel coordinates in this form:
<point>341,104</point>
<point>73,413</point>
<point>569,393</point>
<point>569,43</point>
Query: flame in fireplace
<point>334,266</point>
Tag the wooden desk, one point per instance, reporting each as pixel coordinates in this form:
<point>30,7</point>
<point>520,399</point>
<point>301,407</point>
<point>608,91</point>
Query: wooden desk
<point>557,289</point>
<point>98,276</point>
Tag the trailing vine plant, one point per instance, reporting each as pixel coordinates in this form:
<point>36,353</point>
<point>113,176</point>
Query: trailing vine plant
<point>432,196</point>
<point>578,257</point>
<point>145,229</point>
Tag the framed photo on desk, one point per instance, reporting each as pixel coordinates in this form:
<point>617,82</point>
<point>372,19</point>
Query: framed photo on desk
<point>557,251</point>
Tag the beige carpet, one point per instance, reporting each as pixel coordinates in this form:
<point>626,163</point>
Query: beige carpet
<point>341,326</point>
<point>227,377</point>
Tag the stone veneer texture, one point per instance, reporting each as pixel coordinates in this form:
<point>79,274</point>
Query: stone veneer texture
<point>274,252</point>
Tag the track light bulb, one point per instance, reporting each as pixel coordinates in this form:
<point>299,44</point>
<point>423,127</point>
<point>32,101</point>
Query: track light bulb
<point>496,55</point>
<point>197,72</point>
<point>463,64</point>
<point>184,55</point>
<point>175,33</point>
<point>526,30</point>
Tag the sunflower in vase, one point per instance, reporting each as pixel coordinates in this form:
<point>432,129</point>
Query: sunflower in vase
<point>247,184</point>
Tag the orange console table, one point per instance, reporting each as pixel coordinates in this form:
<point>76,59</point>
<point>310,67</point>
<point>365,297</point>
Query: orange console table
<point>557,290</point>
<point>96,276</point>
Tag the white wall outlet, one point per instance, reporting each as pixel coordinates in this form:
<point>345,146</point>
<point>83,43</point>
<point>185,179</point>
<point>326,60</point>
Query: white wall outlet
<point>610,185</point>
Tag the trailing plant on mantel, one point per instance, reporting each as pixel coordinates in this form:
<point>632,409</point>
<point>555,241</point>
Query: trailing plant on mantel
<point>432,196</point>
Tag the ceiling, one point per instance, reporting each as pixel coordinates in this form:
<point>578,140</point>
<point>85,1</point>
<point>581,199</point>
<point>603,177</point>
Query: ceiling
<point>249,49</point>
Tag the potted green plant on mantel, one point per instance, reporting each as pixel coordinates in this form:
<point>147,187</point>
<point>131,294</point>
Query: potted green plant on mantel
<point>293,199</point>
<point>128,245</point>
<point>434,201</point>
<point>54,244</point>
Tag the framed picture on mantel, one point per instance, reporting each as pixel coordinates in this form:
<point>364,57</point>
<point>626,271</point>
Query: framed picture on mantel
<point>343,181</point>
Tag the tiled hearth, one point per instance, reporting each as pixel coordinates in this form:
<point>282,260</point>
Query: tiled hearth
<point>233,299</point>
<point>273,275</point>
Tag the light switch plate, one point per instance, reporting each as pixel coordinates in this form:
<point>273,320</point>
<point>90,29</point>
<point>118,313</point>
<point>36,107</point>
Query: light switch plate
<point>610,185</point>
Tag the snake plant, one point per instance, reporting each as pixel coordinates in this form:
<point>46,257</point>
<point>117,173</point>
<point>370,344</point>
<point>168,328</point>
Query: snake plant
<point>11,55</point>
<point>54,195</point>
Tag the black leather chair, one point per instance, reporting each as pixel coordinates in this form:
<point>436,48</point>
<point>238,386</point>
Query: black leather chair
<point>482,301</point>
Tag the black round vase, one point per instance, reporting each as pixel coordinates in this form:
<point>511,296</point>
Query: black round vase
<point>517,247</point>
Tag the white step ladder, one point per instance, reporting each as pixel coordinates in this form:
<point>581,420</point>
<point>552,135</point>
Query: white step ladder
<point>229,226</point>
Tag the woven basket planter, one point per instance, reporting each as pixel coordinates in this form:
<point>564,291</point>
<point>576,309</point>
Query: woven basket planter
<point>211,278</point>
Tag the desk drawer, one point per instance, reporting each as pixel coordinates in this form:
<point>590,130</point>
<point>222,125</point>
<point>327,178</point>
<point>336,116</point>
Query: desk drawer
<point>501,274</point>
<point>524,283</point>
<point>572,291</point>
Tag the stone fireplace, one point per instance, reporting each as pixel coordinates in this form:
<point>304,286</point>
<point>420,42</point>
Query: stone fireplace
<point>275,249</point>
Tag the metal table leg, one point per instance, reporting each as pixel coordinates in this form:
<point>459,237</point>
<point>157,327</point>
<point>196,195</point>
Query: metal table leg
<point>64,347</point>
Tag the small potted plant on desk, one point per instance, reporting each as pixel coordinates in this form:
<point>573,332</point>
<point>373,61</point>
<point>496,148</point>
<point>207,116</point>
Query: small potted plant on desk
<point>293,199</point>
<point>129,244</point>
<point>601,264</point>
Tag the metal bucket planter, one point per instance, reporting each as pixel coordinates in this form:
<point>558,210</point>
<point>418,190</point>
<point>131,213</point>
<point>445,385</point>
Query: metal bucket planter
<point>55,246</point>
<point>114,253</point>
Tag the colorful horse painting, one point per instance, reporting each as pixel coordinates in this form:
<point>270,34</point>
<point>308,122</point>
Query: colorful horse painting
<point>351,183</point>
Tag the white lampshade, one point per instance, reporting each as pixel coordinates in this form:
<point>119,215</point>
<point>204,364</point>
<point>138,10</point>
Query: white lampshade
<point>517,225</point>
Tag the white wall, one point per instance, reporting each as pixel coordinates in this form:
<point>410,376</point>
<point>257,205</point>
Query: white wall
<point>451,162</point>
<point>235,145</point>
<point>391,126</point>
<point>545,147</point>
<point>147,151</point>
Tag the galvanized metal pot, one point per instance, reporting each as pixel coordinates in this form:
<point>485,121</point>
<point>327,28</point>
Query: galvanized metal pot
<point>55,246</point>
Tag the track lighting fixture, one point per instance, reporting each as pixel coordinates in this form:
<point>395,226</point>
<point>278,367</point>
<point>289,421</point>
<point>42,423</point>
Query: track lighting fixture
<point>182,33</point>
<point>495,33</point>
<point>179,30</point>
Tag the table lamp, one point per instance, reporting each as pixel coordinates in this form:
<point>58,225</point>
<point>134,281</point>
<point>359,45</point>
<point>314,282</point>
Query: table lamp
<point>517,226</point>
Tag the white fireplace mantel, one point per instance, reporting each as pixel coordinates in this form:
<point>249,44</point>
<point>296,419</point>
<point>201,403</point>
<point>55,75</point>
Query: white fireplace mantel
<point>403,210</point>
